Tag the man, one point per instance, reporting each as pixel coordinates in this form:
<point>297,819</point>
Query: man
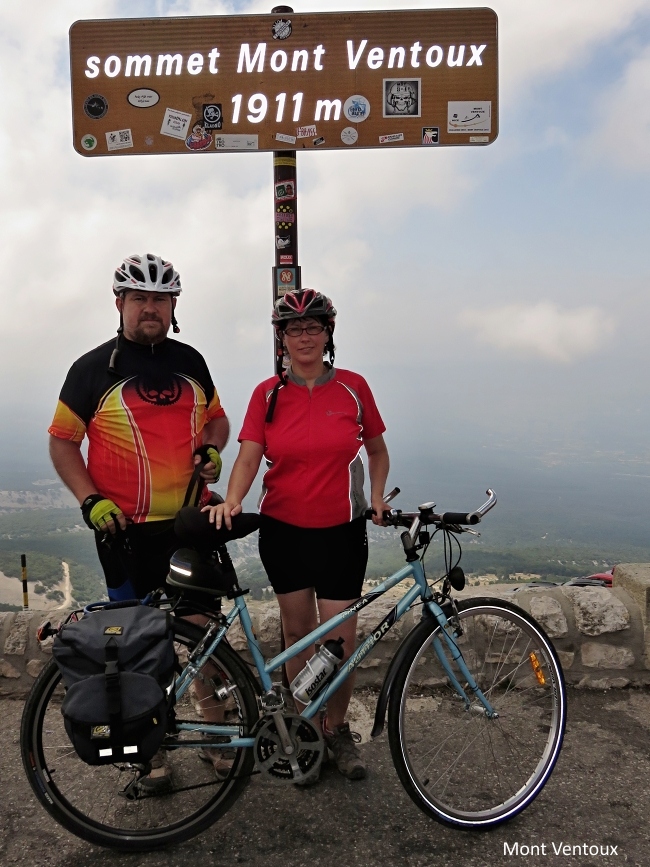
<point>151,413</point>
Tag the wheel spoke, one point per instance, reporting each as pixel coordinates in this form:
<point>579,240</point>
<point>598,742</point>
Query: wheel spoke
<point>90,800</point>
<point>461,766</point>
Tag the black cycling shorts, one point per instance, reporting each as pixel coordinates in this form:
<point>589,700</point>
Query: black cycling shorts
<point>332,560</point>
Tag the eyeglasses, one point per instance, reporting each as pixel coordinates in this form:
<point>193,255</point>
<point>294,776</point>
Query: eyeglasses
<point>296,330</point>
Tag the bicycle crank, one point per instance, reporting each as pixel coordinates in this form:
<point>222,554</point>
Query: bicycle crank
<point>304,755</point>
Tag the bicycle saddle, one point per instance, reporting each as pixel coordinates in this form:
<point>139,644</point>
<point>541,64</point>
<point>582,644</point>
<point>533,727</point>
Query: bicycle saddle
<point>194,529</point>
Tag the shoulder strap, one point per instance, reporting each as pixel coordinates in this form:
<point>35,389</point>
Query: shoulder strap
<point>195,482</point>
<point>274,398</point>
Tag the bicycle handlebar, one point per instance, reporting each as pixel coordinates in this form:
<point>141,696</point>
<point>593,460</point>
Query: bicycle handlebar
<point>426,515</point>
<point>460,518</point>
<point>471,518</point>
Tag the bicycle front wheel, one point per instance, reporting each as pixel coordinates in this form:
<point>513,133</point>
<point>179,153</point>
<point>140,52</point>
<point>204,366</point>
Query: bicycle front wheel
<point>100,803</point>
<point>458,765</point>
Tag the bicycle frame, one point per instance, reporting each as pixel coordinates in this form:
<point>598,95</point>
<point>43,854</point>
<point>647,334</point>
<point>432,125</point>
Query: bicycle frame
<point>420,590</point>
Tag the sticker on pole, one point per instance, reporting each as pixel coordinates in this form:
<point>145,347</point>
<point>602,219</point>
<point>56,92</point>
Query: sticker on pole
<point>469,117</point>
<point>285,190</point>
<point>285,280</point>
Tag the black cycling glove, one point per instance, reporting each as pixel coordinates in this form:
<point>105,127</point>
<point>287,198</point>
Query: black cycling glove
<point>97,511</point>
<point>207,453</point>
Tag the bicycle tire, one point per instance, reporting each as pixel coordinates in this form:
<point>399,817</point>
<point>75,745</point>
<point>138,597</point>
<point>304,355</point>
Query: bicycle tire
<point>460,767</point>
<point>86,799</point>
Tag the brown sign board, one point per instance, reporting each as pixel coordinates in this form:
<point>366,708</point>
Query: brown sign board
<point>316,81</point>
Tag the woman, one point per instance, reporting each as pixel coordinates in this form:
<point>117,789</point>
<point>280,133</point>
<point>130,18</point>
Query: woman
<point>309,426</point>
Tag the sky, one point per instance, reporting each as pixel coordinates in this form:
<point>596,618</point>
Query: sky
<point>495,298</point>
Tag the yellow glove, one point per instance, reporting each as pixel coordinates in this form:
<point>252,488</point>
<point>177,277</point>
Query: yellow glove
<point>97,511</point>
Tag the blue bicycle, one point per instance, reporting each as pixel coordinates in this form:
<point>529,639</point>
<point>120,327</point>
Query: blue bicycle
<point>475,698</point>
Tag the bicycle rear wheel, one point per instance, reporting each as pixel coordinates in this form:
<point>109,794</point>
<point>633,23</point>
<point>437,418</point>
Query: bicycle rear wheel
<point>457,765</point>
<point>90,800</point>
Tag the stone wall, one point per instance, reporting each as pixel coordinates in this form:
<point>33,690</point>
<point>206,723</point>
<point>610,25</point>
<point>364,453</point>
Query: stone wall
<point>602,636</point>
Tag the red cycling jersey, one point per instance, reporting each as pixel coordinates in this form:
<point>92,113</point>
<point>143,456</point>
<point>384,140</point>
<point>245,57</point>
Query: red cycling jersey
<point>315,473</point>
<point>143,422</point>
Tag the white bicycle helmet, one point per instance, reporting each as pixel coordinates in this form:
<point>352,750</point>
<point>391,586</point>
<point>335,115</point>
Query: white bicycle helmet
<point>148,273</point>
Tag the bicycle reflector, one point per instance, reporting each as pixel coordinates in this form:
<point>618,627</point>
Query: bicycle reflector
<point>537,668</point>
<point>45,631</point>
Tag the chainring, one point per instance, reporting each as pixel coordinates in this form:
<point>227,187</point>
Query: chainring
<point>306,739</point>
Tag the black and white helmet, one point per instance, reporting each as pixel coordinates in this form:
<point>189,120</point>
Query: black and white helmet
<point>147,273</point>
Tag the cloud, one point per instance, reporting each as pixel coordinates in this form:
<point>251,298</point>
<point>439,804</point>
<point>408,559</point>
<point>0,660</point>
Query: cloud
<point>623,130</point>
<point>67,220</point>
<point>544,38</point>
<point>542,330</point>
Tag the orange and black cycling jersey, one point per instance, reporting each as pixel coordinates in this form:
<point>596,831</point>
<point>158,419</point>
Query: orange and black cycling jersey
<point>143,422</point>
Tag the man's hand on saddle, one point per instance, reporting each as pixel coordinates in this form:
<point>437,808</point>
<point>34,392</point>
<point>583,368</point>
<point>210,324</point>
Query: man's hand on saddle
<point>209,456</point>
<point>222,513</point>
<point>100,514</point>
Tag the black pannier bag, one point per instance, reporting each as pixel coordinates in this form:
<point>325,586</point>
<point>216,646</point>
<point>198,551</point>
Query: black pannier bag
<point>117,665</point>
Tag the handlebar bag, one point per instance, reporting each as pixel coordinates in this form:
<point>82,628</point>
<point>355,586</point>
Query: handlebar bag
<point>117,666</point>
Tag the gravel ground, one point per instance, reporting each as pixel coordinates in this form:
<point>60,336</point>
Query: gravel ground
<point>598,797</point>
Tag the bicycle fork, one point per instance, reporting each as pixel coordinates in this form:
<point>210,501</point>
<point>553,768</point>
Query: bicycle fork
<point>445,627</point>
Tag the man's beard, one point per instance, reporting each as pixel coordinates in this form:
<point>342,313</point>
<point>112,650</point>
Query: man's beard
<point>145,333</point>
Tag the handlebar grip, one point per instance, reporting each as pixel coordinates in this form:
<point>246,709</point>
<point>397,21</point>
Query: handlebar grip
<point>460,518</point>
<point>369,514</point>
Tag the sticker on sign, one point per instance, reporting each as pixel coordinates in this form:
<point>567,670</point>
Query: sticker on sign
<point>287,139</point>
<point>469,117</point>
<point>306,132</point>
<point>231,142</point>
<point>394,136</point>
<point>175,123</point>
<point>119,139</point>
<point>88,142</point>
<point>143,97</point>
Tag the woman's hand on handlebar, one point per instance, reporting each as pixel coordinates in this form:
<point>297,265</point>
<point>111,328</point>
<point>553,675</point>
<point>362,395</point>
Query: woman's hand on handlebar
<point>378,508</point>
<point>222,513</point>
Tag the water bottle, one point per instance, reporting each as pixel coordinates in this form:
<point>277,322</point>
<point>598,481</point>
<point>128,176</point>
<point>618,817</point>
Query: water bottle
<point>306,684</point>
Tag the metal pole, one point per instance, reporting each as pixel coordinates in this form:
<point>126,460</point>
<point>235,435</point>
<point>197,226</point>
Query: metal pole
<point>23,565</point>
<point>286,272</point>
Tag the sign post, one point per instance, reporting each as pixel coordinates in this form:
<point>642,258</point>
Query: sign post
<point>286,272</point>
